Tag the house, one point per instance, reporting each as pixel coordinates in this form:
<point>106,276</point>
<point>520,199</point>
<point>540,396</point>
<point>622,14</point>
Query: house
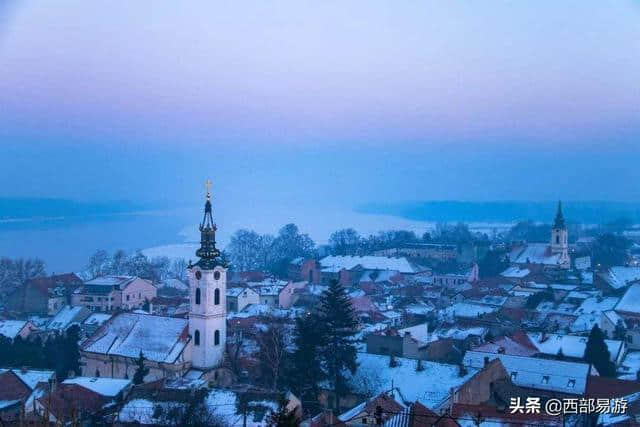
<point>434,251</point>
<point>43,295</point>
<point>66,317</point>
<point>268,291</point>
<point>111,293</point>
<point>518,344</point>
<point>617,278</point>
<point>430,386</point>
<point>19,389</point>
<point>372,411</point>
<point>16,328</point>
<point>454,280</point>
<point>289,294</point>
<point>572,346</point>
<point>300,269</point>
<point>348,269</point>
<point>537,374</point>
<point>113,349</point>
<point>241,296</point>
<point>418,415</point>
<point>68,403</point>
<point>112,388</point>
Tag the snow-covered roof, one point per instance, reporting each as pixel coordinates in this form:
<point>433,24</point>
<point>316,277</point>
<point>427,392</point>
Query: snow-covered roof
<point>67,316</point>
<point>585,322</point>
<point>32,377</point>
<point>620,276</point>
<point>596,305</point>
<point>237,290</point>
<point>515,272</point>
<point>629,301</point>
<point>431,386</point>
<point>534,253</point>
<point>630,366</point>
<point>369,262</point>
<point>571,345</point>
<point>160,339</point>
<point>468,310</point>
<point>109,387</point>
<point>11,328</point>
<point>378,276</point>
<point>118,281</point>
<point>97,318</point>
<point>530,372</point>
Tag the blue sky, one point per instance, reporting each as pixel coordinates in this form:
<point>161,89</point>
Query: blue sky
<point>343,102</point>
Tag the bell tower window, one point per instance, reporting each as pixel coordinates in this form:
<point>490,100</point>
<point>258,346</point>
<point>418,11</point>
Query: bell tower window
<point>198,296</point>
<point>216,337</point>
<point>196,337</point>
<point>216,296</point>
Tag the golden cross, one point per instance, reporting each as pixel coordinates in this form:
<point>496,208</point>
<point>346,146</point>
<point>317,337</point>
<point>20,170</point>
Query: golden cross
<point>207,184</point>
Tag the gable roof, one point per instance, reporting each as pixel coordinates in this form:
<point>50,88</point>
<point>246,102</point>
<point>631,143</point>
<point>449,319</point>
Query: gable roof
<point>542,374</point>
<point>160,339</point>
<point>369,262</point>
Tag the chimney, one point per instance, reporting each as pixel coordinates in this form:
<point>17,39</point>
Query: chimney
<point>486,360</point>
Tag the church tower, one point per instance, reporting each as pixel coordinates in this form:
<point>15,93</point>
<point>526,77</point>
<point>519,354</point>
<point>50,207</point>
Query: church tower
<point>208,305</point>
<point>560,238</point>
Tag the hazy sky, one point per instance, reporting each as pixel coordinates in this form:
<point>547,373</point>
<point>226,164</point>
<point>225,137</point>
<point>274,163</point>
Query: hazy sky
<point>331,101</point>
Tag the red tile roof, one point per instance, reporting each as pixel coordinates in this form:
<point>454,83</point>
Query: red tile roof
<point>12,387</point>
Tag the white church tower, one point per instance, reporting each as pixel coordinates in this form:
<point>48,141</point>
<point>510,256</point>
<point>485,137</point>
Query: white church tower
<point>208,305</point>
<point>560,239</point>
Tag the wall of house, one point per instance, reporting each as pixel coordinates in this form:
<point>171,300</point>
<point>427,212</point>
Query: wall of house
<point>478,389</point>
<point>385,344</point>
<point>125,367</point>
<point>135,294</point>
<point>288,295</point>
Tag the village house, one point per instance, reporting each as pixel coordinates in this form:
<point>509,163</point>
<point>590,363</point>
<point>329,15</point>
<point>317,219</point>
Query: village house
<point>16,328</point>
<point>111,293</point>
<point>348,270</point>
<point>239,297</point>
<point>43,295</point>
<point>19,389</point>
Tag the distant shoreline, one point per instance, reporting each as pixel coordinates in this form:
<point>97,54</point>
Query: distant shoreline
<point>588,212</point>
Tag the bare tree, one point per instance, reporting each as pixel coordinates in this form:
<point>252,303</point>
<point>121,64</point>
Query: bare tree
<point>272,354</point>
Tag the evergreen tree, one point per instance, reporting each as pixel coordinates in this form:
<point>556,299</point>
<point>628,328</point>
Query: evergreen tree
<point>71,351</point>
<point>597,353</point>
<point>283,418</point>
<point>141,370</point>
<point>338,327</point>
<point>305,362</point>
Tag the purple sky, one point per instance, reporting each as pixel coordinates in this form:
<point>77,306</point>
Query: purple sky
<point>354,100</point>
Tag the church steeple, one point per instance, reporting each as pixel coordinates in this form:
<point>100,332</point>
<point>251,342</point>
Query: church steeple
<point>208,253</point>
<point>558,223</point>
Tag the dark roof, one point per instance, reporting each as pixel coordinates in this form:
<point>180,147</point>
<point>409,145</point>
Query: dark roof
<point>72,400</point>
<point>602,387</point>
<point>44,284</point>
<point>12,387</point>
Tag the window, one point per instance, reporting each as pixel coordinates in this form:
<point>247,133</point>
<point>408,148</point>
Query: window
<point>216,337</point>
<point>557,239</point>
<point>216,296</point>
<point>196,337</point>
<point>514,375</point>
<point>545,379</point>
<point>128,297</point>
<point>630,338</point>
<point>571,383</point>
<point>139,295</point>
<point>198,296</point>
